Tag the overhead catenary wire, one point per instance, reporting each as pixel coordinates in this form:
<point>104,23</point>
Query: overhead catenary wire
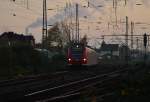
<point>27,8</point>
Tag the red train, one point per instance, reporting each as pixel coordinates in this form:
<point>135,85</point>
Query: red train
<point>78,54</point>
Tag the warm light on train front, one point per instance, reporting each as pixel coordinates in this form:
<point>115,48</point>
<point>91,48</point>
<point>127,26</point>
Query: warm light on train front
<point>84,59</point>
<point>69,59</point>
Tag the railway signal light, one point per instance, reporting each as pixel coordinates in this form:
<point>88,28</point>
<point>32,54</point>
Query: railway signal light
<point>145,40</point>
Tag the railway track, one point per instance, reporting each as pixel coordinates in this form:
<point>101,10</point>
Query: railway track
<point>21,89</point>
<point>28,79</point>
<point>16,88</point>
<point>72,89</point>
<point>10,89</point>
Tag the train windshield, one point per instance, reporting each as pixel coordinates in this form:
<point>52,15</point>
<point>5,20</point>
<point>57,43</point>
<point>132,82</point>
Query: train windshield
<point>77,51</point>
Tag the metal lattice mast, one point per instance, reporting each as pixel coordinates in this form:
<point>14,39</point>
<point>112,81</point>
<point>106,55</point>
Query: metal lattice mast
<point>77,24</point>
<point>132,28</point>
<point>126,40</point>
<point>126,37</point>
<point>27,4</point>
<point>44,28</point>
<point>125,2</point>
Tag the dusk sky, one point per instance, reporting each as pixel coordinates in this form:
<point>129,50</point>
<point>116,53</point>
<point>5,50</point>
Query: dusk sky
<point>16,17</point>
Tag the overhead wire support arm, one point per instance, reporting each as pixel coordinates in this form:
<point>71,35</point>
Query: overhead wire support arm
<point>122,35</point>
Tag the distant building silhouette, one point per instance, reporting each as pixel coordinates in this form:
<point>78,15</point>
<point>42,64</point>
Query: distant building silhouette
<point>124,52</point>
<point>14,39</point>
<point>109,51</point>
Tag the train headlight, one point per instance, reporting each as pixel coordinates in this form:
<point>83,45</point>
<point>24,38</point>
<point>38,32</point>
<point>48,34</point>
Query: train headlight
<point>84,59</point>
<point>69,59</point>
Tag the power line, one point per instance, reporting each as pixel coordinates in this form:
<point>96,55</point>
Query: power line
<point>27,7</point>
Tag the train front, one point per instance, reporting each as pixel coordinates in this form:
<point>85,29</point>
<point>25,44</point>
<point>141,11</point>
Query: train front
<point>77,54</point>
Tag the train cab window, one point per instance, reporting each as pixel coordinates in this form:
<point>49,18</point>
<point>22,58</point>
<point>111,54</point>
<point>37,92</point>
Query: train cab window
<point>77,51</point>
